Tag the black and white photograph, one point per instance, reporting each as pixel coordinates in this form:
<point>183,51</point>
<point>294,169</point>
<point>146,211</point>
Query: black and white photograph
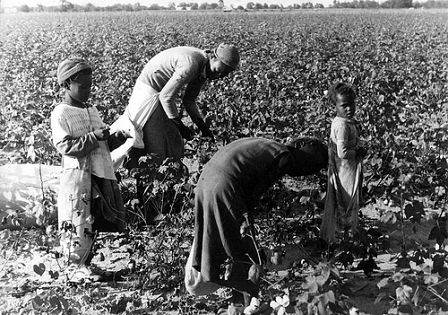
<point>224,157</point>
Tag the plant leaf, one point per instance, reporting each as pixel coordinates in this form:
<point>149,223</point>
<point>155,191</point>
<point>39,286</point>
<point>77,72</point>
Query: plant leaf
<point>39,269</point>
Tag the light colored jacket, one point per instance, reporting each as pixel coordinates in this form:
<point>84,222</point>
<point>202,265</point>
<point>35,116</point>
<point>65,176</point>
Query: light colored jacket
<point>73,137</point>
<point>172,69</point>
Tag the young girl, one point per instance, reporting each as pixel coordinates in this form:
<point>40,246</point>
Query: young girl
<point>89,199</point>
<point>344,166</point>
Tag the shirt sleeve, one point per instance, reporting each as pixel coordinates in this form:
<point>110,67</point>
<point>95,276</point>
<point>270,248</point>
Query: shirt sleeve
<point>68,145</point>
<point>185,72</point>
<point>342,134</point>
<point>189,99</point>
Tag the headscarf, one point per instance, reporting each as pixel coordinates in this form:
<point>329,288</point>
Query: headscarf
<point>228,54</point>
<point>70,67</point>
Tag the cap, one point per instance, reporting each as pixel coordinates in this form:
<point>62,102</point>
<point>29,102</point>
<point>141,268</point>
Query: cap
<point>228,54</point>
<point>69,67</point>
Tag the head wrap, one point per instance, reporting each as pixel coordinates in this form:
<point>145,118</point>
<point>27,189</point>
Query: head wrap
<point>310,155</point>
<point>69,67</point>
<point>228,54</point>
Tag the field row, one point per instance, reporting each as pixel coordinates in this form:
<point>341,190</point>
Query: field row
<point>397,61</point>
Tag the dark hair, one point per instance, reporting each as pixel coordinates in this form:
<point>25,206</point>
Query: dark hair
<point>310,155</point>
<point>303,141</point>
<point>340,88</point>
<point>210,53</point>
<point>66,83</point>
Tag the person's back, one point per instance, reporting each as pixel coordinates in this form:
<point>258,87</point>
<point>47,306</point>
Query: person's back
<point>186,62</point>
<point>153,107</point>
<point>226,193</point>
<point>250,162</point>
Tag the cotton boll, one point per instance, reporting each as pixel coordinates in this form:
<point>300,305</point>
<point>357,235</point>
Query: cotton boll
<point>90,219</point>
<point>253,307</point>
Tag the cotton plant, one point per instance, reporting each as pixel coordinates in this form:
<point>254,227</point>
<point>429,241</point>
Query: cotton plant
<point>253,307</point>
<point>280,304</point>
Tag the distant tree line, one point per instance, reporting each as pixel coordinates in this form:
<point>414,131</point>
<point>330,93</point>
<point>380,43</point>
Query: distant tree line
<point>67,6</point>
<point>390,4</point>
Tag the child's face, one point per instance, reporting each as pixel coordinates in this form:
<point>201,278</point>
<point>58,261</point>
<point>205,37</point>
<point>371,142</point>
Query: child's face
<point>345,106</point>
<point>79,88</point>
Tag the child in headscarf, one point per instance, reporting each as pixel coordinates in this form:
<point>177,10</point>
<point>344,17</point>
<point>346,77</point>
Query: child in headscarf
<point>89,199</point>
<point>344,167</point>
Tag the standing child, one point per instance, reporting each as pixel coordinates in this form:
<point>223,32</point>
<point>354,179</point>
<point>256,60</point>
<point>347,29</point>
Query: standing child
<point>344,166</point>
<point>89,199</point>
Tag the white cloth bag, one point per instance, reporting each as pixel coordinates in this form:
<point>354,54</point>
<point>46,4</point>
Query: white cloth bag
<point>194,282</point>
<point>142,104</point>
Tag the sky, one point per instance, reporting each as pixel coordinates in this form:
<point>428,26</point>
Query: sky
<point>235,3</point>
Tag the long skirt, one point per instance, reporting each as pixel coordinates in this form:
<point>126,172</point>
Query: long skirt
<point>343,196</point>
<point>86,205</point>
<point>160,135</point>
<point>218,245</point>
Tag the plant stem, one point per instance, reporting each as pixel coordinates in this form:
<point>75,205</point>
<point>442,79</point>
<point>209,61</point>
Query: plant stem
<point>403,246</point>
<point>246,216</point>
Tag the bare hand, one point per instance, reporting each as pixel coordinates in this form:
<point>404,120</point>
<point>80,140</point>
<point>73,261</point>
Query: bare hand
<point>125,133</point>
<point>361,152</point>
<point>205,131</point>
<point>184,131</point>
<point>102,134</point>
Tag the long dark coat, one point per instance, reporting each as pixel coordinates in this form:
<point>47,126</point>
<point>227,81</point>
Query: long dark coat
<point>230,185</point>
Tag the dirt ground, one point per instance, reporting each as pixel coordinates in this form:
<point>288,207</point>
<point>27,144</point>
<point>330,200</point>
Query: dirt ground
<point>26,271</point>
<point>30,269</point>
<point>19,282</point>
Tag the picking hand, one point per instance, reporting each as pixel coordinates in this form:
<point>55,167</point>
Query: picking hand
<point>124,134</point>
<point>184,131</point>
<point>205,131</point>
<point>121,135</point>
<point>361,152</point>
<point>208,134</point>
<point>102,134</point>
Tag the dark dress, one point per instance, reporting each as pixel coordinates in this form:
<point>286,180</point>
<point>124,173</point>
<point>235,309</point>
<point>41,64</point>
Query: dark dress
<point>231,184</point>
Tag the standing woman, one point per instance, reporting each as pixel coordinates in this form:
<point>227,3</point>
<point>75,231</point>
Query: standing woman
<point>344,167</point>
<point>152,107</point>
<point>89,199</point>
